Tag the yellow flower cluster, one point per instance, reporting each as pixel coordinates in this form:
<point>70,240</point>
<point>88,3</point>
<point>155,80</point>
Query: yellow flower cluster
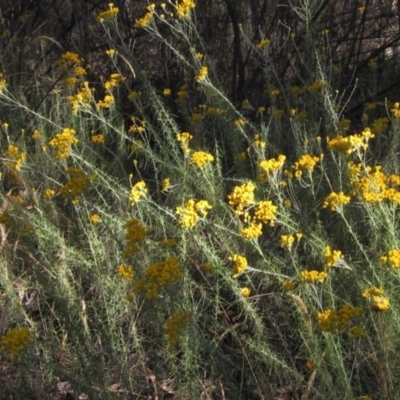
<point>174,327</point>
<point>332,257</point>
<point>49,193</point>
<point>258,142</point>
<point>146,19</point>
<point>356,332</point>
<point>14,157</point>
<point>318,85</point>
<point>312,276</point>
<point>158,275</point>
<point>373,185</point>
<point>392,258</point>
<point>113,81</point>
<point>239,264</point>
<point>15,341</point>
<point>264,212</point>
<point>242,197</point>
<point>108,14</point>
<point>3,82</point>
<point>271,166</point>
<point>166,184</point>
<point>289,285</point>
<point>378,301</point>
<point>76,184</point>
<point>95,219</point>
<point>139,126</point>
<point>351,143</point>
<point>98,139</point>
<point>336,200</point>
<point>203,72</point>
<point>184,8</point>
<point>306,162</point>
<point>330,320</point>
<point>107,102</point>
<point>380,124</point>
<point>184,138</point>
<point>288,240</point>
<point>138,191</point>
<point>126,273</point>
<point>135,233</point>
<point>201,158</point>
<point>395,110</point>
<point>63,142</point>
<point>82,98</point>
<point>191,211</point>
<point>263,43</point>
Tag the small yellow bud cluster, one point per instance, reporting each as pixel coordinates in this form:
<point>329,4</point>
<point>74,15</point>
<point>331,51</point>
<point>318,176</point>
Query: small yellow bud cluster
<point>138,191</point>
<point>126,273</point>
<point>289,285</point>
<point>108,14</point>
<point>203,72</point>
<point>306,162</point>
<point>239,264</point>
<point>184,138</point>
<point>98,139</point>
<point>135,234</point>
<point>312,276</point>
<point>14,157</point>
<point>378,301</point>
<point>271,167</point>
<point>201,158</point>
<point>352,143</point>
<point>158,275</point>
<point>76,184</point>
<point>191,211</point>
<point>184,8</point>
<point>335,201</point>
<point>174,327</point>
<point>95,219</point>
<point>392,258</point>
<point>63,142</point>
<point>15,341</point>
<point>263,212</point>
<point>332,257</point>
<point>113,81</point>
<point>330,320</point>
<point>288,240</point>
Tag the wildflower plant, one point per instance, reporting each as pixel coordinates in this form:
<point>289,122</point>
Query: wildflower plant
<point>195,214</point>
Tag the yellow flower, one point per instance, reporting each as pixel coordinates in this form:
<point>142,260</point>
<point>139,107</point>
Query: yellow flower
<point>265,212</point>
<point>392,258</point>
<point>201,158</point>
<point>312,276</point>
<point>352,143</point>
<point>138,191</point>
<point>126,272</point>
<point>15,341</point>
<point>245,292</point>
<point>242,197</point>
<point>371,292</point>
<point>184,8</point>
<point>49,193</point>
<point>189,213</point>
<point>289,285</point>
<point>332,257</point>
<point>263,43</point>
<point>108,14</point>
<point>99,139</point>
<point>380,303</point>
<point>166,184</point>
<point>253,231</point>
<point>203,72</point>
<point>63,142</point>
<point>273,164</point>
<point>239,264</point>
<point>95,219</point>
<point>336,200</point>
